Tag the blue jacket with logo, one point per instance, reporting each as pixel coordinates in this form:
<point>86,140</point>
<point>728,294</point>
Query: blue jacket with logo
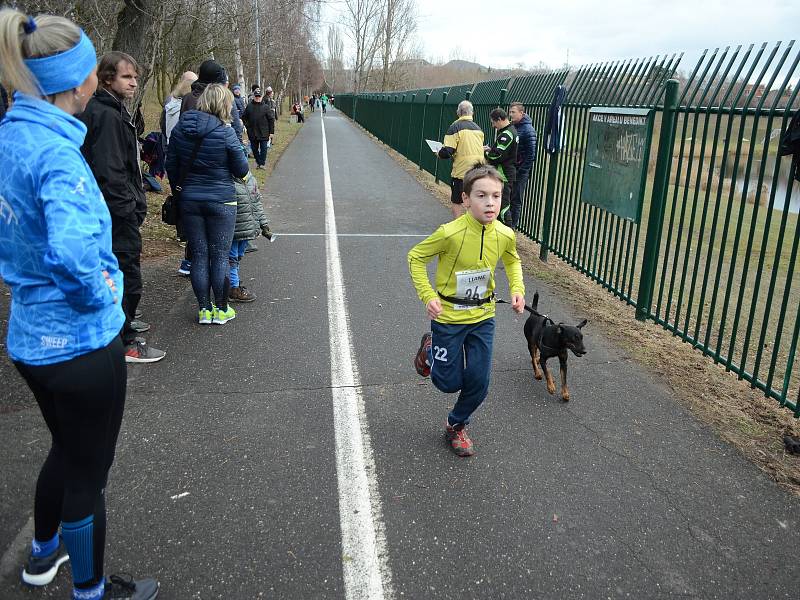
<point>55,239</point>
<point>526,150</point>
<point>219,159</point>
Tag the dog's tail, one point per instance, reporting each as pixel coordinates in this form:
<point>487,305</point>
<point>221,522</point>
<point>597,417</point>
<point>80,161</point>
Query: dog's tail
<point>534,307</point>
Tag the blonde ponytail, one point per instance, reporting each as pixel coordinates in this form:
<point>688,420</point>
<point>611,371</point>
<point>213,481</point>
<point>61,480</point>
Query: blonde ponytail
<point>52,35</point>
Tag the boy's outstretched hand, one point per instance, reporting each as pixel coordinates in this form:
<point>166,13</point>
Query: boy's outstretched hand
<point>518,303</point>
<point>434,307</point>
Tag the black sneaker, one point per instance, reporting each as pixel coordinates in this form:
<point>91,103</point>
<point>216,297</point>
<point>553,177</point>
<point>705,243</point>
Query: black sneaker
<point>123,587</point>
<point>41,570</point>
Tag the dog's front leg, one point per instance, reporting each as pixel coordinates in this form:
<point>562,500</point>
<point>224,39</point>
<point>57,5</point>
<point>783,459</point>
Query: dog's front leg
<point>551,385</point>
<point>535,354</point>
<point>562,361</point>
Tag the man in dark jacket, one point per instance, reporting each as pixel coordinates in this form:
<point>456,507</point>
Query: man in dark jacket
<point>211,72</point>
<point>259,118</point>
<point>112,151</point>
<point>503,156</point>
<point>526,155</point>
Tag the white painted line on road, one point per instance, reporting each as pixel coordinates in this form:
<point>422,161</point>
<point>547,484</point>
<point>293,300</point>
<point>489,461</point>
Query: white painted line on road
<point>364,554</point>
<point>412,235</point>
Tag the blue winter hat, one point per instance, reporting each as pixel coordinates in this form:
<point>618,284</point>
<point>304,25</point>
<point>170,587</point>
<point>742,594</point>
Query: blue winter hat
<point>66,70</point>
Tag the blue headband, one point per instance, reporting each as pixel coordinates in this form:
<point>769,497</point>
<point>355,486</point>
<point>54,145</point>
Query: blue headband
<point>66,70</point>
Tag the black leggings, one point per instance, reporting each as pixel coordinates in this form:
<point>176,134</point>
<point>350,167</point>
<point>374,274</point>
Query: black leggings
<point>82,401</point>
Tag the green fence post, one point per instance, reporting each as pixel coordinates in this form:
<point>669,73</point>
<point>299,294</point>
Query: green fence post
<point>422,138</point>
<point>439,134</point>
<point>549,203</point>
<point>469,95</point>
<point>503,93</point>
<point>655,220</point>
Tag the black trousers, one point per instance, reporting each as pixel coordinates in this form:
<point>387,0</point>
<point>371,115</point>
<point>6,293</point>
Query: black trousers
<point>505,203</point>
<point>82,401</point>
<point>126,243</point>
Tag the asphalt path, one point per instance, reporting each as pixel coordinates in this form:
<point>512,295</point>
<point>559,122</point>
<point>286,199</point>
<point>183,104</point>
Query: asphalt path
<point>232,480</point>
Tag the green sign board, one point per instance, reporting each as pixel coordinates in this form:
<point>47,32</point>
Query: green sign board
<point>617,153</point>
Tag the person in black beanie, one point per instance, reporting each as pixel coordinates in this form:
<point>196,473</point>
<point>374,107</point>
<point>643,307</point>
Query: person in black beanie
<point>211,72</point>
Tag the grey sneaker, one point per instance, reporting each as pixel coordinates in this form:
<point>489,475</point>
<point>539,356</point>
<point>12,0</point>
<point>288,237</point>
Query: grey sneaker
<point>140,352</point>
<point>41,570</point>
<point>123,587</point>
<point>140,326</point>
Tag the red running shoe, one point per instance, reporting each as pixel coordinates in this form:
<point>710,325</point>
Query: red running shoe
<point>459,440</point>
<point>421,359</point>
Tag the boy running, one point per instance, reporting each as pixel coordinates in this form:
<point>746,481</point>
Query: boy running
<point>458,354</point>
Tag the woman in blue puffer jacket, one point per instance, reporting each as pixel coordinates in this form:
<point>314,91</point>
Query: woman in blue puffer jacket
<point>66,287</point>
<point>208,199</point>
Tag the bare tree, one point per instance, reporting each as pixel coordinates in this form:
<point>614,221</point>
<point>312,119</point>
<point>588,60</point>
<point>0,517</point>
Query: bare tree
<point>363,24</point>
<point>399,27</point>
<point>335,56</point>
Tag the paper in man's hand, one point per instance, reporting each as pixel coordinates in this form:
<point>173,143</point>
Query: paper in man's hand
<point>434,146</point>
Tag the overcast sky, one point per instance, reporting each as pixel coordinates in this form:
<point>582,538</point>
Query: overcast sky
<point>593,30</point>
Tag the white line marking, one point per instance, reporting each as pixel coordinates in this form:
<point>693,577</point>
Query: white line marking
<point>364,556</point>
<point>414,235</point>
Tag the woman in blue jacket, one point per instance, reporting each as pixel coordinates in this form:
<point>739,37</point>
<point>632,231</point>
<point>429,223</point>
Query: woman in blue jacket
<point>63,330</point>
<point>208,199</point>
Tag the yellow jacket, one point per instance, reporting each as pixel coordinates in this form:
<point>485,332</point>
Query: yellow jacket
<point>463,142</point>
<point>468,253</point>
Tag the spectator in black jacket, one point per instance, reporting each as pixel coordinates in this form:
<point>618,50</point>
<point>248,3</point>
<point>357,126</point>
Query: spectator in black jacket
<point>526,155</point>
<point>112,151</point>
<point>259,118</point>
<point>212,72</point>
<point>503,156</point>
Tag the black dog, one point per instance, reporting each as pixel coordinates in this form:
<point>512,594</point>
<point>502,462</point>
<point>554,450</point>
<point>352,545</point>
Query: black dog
<point>546,340</point>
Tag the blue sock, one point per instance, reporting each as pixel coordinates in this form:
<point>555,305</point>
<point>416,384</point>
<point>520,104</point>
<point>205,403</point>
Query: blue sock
<point>44,548</point>
<point>93,593</point>
<point>79,539</point>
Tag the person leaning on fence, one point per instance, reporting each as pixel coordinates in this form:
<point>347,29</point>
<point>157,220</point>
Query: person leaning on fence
<point>503,155</point>
<point>463,143</point>
<point>526,156</point>
<point>63,330</point>
<point>112,150</point>
<point>208,200</point>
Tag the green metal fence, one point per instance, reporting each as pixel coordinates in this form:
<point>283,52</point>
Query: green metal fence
<point>714,257</point>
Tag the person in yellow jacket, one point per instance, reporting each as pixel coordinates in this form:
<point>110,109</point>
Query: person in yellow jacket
<point>458,353</point>
<point>463,143</point>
